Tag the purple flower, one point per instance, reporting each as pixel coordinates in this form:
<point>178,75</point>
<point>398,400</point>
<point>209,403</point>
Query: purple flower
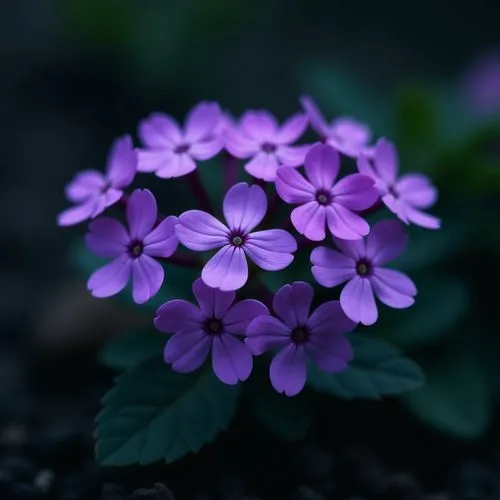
<point>360,265</point>
<point>133,251</point>
<point>170,151</point>
<point>405,196</point>
<point>93,192</point>
<point>214,325</point>
<point>324,202</point>
<point>300,335</point>
<point>259,137</point>
<point>346,135</point>
<point>244,208</point>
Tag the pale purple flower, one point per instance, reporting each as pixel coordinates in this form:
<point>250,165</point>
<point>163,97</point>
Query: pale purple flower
<point>300,335</point>
<point>405,196</point>
<point>170,151</point>
<point>244,208</point>
<point>324,202</point>
<point>133,251</point>
<point>360,264</point>
<point>346,135</point>
<point>93,192</point>
<point>212,326</point>
<point>259,136</point>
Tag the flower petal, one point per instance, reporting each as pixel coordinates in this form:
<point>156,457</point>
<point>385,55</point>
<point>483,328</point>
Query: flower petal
<point>365,167</point>
<point>331,353</point>
<point>239,144</point>
<point>187,351</point>
<point>292,187</point>
<point>162,241</point>
<point>213,302</point>
<point>420,218</point>
<point>266,333</point>
<point>349,136</point>
<point>386,241</point>
<point>151,160</point>
<point>358,302</point>
<point>351,248</point>
<point>78,213</point>
<point>329,319</point>
<point>227,269</point>
<point>417,190</point>
<point>231,359</point>
<point>292,129</point>
<point>393,288</point>
<point>310,220</point>
<point>263,166</point>
<point>179,165</point>
<point>293,302</point>
<point>241,314</point>
<point>141,213</point>
<point>260,125</point>
<point>178,316</point>
<point>107,237</point>
<point>206,149</point>
<point>244,207</point>
<point>159,131</point>
<point>315,116</point>
<point>110,279</point>
<point>122,162</point>
<point>355,192</point>
<point>386,160</point>
<point>322,165</point>
<point>288,370</point>
<point>271,249</point>
<point>292,156</point>
<point>331,268</point>
<point>147,278</point>
<point>345,224</point>
<point>84,185</point>
<point>202,121</point>
<point>201,231</point>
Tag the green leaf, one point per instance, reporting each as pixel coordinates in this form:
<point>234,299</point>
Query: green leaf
<point>456,396</point>
<point>377,370</point>
<point>132,347</point>
<point>156,414</point>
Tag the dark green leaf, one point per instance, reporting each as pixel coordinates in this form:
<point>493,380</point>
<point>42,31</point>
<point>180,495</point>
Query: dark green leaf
<point>378,369</point>
<point>156,414</point>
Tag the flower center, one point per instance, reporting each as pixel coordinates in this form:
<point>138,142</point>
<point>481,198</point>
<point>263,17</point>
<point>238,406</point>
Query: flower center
<point>135,249</point>
<point>237,240</point>
<point>323,197</point>
<point>213,326</point>
<point>300,335</point>
<point>363,268</point>
<point>182,148</point>
<point>268,147</point>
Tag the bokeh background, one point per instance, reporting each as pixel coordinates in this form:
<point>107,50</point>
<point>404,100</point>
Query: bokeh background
<point>78,73</point>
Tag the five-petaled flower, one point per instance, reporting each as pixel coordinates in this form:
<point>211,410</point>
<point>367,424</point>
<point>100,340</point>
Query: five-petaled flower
<point>134,251</point>
<point>170,151</point>
<point>212,326</point>
<point>244,208</point>
<point>360,264</point>
<point>324,202</point>
<point>93,192</point>
<point>346,135</point>
<point>259,137</point>
<point>406,196</point>
<point>300,335</point>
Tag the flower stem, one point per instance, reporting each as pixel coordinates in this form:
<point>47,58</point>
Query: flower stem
<point>274,206</point>
<point>184,260</point>
<point>199,191</point>
<point>230,171</point>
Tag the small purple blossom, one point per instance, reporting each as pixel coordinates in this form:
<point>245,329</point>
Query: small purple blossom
<point>244,208</point>
<point>300,335</point>
<point>212,326</point>
<point>134,251</point>
<point>93,191</point>
<point>360,264</point>
<point>324,202</point>
<point>405,196</point>
<point>170,151</point>
<point>346,135</point>
<point>259,137</point>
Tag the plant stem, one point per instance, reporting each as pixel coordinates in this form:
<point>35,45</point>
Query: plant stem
<point>230,171</point>
<point>199,191</point>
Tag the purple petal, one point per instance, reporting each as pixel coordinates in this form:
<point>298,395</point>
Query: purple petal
<point>386,241</point>
<point>122,162</point>
<point>266,333</point>
<point>345,224</point>
<point>292,156</point>
<point>162,241</point>
<point>86,184</point>
<point>420,218</point>
<point>155,159</point>
<point>358,302</point>
<point>271,249</point>
<point>288,370</point>
<point>331,353</point>
<point>141,213</point>
<point>315,116</point>
<point>263,166</point>
<point>417,190</point>
<point>187,351</point>
<point>365,167</point>
<point>159,131</point>
<point>231,359</point>
<point>329,319</point>
<point>310,220</point>
<point>349,136</point>
<point>322,165</point>
<point>201,121</point>
<point>386,160</point>
<point>241,314</point>
<point>292,187</point>
<point>240,145</point>
<point>107,199</point>
<point>178,166</point>
<point>206,149</point>
<point>355,192</point>
<point>331,268</point>
<point>393,288</point>
<point>110,279</point>
<point>227,269</point>
<point>292,129</point>
<point>244,207</point>
<point>351,248</point>
<point>293,302</point>
<point>78,213</point>
<point>260,125</point>
<point>213,302</point>
<point>178,316</point>
<point>107,237</point>
<point>147,278</point>
<point>200,231</point>
<point>396,206</point>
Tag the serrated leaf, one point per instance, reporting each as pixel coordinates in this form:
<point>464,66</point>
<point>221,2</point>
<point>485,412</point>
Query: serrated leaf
<point>378,369</point>
<point>154,413</point>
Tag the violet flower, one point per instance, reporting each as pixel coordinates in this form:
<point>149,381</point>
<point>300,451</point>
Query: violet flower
<point>93,191</point>
<point>360,264</point>
<point>405,196</point>
<point>259,137</point>
<point>300,335</point>
<point>170,151</point>
<point>244,208</point>
<point>212,326</point>
<point>324,202</point>
<point>346,135</point>
<point>134,251</point>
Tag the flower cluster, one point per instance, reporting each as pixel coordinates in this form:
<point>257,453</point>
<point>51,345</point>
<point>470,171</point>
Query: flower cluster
<point>330,222</point>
